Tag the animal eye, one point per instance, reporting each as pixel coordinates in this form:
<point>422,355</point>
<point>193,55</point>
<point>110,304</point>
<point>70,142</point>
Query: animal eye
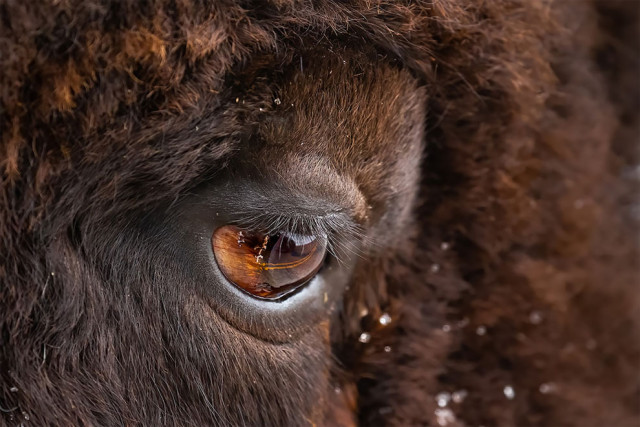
<point>264,265</point>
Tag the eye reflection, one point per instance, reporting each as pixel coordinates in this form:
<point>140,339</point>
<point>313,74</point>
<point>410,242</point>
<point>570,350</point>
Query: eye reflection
<point>267,266</point>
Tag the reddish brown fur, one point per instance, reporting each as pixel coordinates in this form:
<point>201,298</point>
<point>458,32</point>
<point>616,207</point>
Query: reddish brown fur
<point>111,109</point>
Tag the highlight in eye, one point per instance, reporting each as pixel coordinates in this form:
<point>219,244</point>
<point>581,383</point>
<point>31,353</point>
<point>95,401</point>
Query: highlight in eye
<point>267,265</point>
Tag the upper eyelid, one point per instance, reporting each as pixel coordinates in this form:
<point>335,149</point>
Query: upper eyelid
<point>337,227</point>
<point>276,209</point>
<point>271,222</point>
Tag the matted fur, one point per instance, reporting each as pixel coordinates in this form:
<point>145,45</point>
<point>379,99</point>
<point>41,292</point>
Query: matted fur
<point>523,226</point>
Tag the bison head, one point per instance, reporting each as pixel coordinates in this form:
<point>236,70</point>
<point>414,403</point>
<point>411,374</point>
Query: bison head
<point>324,213</point>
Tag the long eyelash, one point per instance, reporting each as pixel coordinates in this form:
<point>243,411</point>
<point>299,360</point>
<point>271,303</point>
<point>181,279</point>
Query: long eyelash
<point>334,226</point>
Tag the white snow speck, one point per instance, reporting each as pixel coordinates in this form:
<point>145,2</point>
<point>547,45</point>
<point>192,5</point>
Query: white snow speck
<point>385,319</point>
<point>444,416</point>
<point>509,392</point>
<point>443,399</point>
<point>459,396</point>
<point>364,337</point>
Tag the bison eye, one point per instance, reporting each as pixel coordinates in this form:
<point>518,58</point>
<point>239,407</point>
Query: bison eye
<point>275,279</point>
<point>267,266</point>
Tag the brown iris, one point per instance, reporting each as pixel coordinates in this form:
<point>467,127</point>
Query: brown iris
<point>267,266</point>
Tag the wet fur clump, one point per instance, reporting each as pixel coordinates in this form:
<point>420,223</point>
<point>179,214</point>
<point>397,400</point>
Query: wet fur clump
<point>505,247</point>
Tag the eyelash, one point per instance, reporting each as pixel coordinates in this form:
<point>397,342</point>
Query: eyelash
<point>334,226</point>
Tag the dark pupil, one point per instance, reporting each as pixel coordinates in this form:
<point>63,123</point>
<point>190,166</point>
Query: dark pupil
<point>287,245</point>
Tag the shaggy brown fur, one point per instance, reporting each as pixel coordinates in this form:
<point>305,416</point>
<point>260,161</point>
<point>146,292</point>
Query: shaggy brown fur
<point>494,143</point>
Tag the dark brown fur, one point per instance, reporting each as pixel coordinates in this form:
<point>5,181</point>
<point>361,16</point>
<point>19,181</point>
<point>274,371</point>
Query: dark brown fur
<point>525,114</point>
